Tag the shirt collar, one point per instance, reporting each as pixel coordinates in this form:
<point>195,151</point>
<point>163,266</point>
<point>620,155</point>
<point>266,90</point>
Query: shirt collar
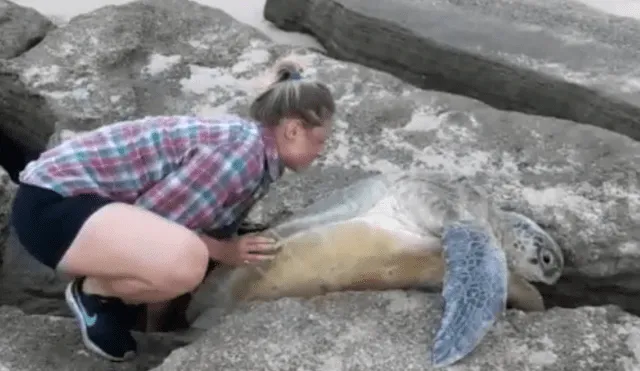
<point>275,167</point>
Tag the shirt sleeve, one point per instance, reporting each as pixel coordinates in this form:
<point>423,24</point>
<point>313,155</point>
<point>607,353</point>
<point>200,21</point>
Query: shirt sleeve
<point>194,193</point>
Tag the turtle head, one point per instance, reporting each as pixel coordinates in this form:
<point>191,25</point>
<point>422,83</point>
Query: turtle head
<point>532,252</point>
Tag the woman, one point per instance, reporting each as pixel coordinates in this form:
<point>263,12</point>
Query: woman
<point>121,208</point>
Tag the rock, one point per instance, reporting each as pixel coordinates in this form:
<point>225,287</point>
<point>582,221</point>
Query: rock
<point>7,192</point>
<point>136,59</point>
<point>556,58</point>
<point>20,28</point>
<point>179,57</point>
<point>36,342</point>
<point>335,332</point>
<point>19,106</point>
<point>30,285</point>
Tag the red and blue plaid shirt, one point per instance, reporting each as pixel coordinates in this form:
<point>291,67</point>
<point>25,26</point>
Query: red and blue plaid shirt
<point>201,173</point>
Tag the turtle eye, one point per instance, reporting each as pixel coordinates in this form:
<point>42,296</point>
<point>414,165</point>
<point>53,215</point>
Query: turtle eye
<point>546,257</point>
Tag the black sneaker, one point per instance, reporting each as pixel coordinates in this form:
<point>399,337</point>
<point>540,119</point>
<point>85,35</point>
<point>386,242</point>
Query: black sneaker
<point>105,323</point>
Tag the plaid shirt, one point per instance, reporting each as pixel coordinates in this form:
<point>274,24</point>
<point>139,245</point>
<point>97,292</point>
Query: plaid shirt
<point>201,173</point>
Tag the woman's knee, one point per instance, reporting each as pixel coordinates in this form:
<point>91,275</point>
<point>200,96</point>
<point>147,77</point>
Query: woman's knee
<point>186,266</point>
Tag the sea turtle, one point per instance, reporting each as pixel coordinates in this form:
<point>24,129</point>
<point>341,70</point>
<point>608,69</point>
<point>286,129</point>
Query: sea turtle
<point>407,230</point>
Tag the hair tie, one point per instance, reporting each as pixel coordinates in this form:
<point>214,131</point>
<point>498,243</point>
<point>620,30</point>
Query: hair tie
<point>295,75</point>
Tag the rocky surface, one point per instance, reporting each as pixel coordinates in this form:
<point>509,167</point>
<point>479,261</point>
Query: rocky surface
<point>178,57</point>
<point>28,284</point>
<point>555,58</point>
<point>394,330</point>
<point>35,343</point>
<point>20,28</point>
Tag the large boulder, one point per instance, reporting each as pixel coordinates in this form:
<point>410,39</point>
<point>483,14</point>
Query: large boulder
<point>21,28</point>
<point>113,63</point>
<point>37,342</point>
<point>176,56</point>
<point>394,330</point>
<point>556,58</point>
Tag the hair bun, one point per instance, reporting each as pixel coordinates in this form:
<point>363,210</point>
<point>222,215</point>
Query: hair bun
<point>288,70</point>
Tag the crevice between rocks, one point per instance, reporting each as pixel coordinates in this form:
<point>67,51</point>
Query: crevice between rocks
<point>429,65</point>
<point>574,291</point>
<point>14,156</point>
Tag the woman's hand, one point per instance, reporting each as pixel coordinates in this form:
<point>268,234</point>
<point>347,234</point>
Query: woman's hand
<point>250,249</point>
<point>247,249</point>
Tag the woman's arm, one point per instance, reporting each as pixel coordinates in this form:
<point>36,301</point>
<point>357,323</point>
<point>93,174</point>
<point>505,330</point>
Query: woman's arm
<point>218,249</point>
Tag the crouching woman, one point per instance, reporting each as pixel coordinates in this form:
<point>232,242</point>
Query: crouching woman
<point>120,208</point>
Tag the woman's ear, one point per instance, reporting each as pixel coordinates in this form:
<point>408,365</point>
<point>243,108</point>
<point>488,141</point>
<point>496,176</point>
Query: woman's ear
<point>292,128</point>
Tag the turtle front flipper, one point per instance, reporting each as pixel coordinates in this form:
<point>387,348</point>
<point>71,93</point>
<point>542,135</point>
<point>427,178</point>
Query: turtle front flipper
<point>474,289</point>
<point>523,295</point>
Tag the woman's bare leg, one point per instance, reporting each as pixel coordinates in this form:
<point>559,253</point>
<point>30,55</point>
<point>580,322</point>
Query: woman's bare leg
<point>136,255</point>
<point>128,255</point>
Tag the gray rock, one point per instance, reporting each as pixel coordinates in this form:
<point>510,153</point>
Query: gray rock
<point>394,330</point>
<point>24,115</point>
<point>20,28</point>
<point>30,285</point>
<point>7,192</point>
<point>555,58</point>
<point>127,61</point>
<point>35,343</point>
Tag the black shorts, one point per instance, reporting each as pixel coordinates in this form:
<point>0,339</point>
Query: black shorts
<point>46,223</point>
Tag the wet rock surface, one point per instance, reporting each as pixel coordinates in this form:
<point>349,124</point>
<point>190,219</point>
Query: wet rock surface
<point>178,57</point>
<point>555,58</point>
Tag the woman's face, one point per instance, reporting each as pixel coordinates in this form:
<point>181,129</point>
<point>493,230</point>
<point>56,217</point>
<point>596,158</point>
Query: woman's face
<point>299,146</point>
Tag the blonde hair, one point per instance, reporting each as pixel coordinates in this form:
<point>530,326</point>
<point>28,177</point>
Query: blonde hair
<point>290,95</point>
